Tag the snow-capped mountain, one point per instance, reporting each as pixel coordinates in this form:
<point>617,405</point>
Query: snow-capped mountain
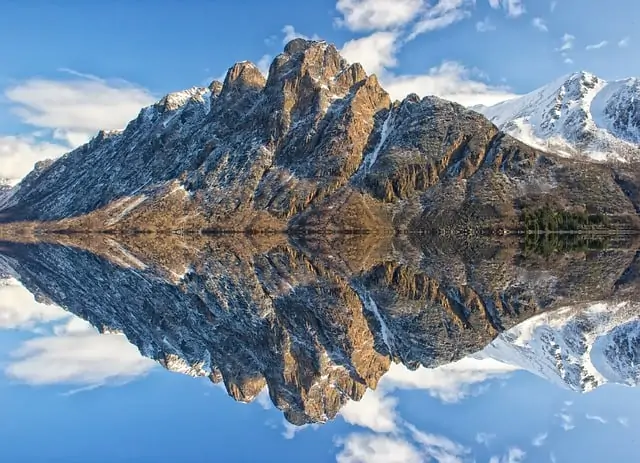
<point>577,347</point>
<point>577,115</point>
<point>5,190</point>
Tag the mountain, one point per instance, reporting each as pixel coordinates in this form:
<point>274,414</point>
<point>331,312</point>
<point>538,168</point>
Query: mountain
<point>317,145</point>
<point>317,320</point>
<point>580,347</point>
<point>5,191</point>
<point>579,115</point>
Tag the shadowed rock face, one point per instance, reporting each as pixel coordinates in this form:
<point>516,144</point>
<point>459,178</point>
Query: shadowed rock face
<point>317,145</point>
<point>317,320</point>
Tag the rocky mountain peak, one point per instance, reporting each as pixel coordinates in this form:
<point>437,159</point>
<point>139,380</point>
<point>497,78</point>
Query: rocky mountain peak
<point>216,87</point>
<point>316,61</point>
<point>176,100</point>
<point>242,77</point>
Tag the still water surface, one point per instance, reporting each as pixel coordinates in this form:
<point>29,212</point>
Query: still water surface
<point>348,349</point>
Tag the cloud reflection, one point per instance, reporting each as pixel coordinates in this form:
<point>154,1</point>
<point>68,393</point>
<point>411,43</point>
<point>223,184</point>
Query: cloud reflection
<point>73,353</point>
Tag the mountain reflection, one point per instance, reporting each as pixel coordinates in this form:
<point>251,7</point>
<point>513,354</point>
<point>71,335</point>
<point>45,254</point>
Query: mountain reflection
<point>319,320</point>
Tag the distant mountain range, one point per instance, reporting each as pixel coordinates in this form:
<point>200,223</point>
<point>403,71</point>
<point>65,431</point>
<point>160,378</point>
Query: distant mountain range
<point>319,145</point>
<point>579,115</point>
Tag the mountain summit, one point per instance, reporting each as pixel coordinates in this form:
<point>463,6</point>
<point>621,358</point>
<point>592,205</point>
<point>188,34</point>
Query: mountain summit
<point>578,115</point>
<point>317,145</point>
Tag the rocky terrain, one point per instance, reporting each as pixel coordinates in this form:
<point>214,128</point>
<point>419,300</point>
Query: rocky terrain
<point>316,146</point>
<point>319,319</point>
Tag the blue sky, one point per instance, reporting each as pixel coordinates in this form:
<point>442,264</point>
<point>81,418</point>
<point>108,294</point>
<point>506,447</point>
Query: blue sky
<point>70,394</point>
<point>72,68</point>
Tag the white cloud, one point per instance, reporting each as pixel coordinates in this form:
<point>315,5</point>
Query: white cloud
<point>514,8</point>
<point>20,310</point>
<point>264,63</point>
<point>540,24</point>
<point>369,448</point>
<point>290,34</point>
<point>263,398</point>
<point>484,438</point>
<point>366,15</point>
<point>597,46</point>
<point>539,440</point>
<point>568,60</point>
<point>82,105</point>
<point>567,421</point>
<point>514,455</point>
<point>485,25</point>
<point>567,42</point>
<point>451,81</point>
<point>596,418</point>
<point>553,5</point>
<point>624,421</point>
<point>291,430</point>
<point>77,354</point>
<point>375,52</point>
<point>450,383</point>
<point>624,42</point>
<point>374,411</point>
<point>70,110</point>
<point>442,14</point>
<point>439,448</point>
<point>18,154</point>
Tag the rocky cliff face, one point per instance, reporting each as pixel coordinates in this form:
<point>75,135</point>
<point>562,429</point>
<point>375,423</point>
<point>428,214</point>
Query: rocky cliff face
<point>579,115</point>
<point>318,145</point>
<point>316,320</point>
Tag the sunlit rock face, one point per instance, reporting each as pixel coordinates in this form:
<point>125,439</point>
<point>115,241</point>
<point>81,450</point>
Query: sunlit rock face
<point>319,320</point>
<point>316,146</point>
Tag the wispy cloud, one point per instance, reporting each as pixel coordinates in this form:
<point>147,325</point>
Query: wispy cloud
<point>566,421</point>
<point>514,455</point>
<point>442,14</point>
<point>485,25</point>
<point>568,41</point>
<point>624,42</point>
<point>597,418</point>
<point>263,64</point>
<point>368,15</point>
<point>540,24</point>
<point>484,438</point>
<point>597,46</point>
<point>539,440</point>
<point>290,33</point>
<point>514,8</point>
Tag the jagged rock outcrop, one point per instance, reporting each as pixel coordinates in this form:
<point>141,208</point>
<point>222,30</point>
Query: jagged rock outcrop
<point>317,146</point>
<point>316,321</point>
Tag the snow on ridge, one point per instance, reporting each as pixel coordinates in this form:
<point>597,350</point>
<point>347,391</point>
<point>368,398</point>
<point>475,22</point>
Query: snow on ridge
<point>576,115</point>
<point>579,347</point>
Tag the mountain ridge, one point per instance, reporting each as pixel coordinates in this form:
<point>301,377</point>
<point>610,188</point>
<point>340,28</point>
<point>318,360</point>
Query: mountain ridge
<point>316,145</point>
<point>578,114</point>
